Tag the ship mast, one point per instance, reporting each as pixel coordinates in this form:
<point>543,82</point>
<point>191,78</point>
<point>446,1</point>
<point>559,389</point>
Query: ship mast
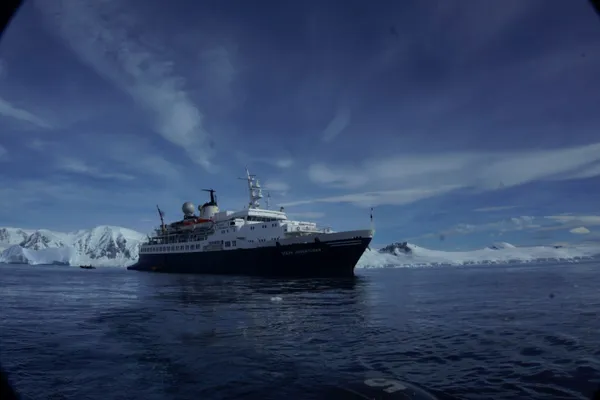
<point>268,199</point>
<point>254,190</point>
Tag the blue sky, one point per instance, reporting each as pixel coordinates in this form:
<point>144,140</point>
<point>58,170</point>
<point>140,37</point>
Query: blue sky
<point>461,122</point>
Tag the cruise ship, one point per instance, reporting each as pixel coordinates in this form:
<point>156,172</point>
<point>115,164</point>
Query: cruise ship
<point>253,241</point>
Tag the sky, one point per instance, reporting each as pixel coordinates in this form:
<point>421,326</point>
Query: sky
<point>462,122</point>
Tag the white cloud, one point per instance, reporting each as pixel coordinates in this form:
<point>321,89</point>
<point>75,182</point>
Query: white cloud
<point>582,230</point>
<point>376,198</point>
<point>545,223</point>
<point>494,208</point>
<point>340,121</point>
<point>307,215</point>
<point>9,110</point>
<point>37,144</point>
<point>220,71</point>
<point>589,220</point>
<point>483,171</point>
<point>324,175</point>
<point>3,153</point>
<point>276,186</point>
<point>31,192</point>
<point>76,166</point>
<point>284,162</point>
<point>277,161</point>
<point>505,225</point>
<point>106,36</point>
<point>589,171</point>
<point>144,161</point>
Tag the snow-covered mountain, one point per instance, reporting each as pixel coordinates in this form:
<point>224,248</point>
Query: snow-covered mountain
<point>116,246</point>
<point>410,255</point>
<point>103,245</point>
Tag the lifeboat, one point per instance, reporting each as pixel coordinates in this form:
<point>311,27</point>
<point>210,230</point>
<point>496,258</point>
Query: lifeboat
<point>196,221</point>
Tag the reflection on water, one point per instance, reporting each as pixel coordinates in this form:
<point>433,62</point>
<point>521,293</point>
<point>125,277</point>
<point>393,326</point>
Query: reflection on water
<point>204,290</point>
<point>469,332</point>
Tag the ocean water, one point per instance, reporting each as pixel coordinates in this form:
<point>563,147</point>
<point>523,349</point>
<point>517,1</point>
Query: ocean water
<point>530,332</point>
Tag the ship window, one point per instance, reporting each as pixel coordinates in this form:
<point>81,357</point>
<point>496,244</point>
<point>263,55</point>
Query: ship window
<point>251,228</point>
<point>232,223</point>
<point>264,226</point>
<point>227,244</point>
<point>233,243</point>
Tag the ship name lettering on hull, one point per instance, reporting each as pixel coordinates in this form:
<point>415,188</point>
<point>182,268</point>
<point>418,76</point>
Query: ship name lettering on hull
<point>303,251</point>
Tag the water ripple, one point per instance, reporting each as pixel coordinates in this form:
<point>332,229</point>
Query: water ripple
<point>460,332</point>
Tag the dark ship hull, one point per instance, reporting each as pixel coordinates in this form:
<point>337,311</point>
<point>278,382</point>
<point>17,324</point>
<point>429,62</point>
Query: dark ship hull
<point>336,258</point>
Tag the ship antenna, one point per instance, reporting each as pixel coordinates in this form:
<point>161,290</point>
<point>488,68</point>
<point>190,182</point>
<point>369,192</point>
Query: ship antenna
<point>372,224</point>
<point>268,199</point>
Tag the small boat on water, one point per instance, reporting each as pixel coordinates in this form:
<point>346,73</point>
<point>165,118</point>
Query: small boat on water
<point>87,266</point>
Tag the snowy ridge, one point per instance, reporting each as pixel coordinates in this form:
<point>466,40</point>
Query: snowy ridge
<point>103,245</point>
<point>116,246</point>
<point>410,255</point>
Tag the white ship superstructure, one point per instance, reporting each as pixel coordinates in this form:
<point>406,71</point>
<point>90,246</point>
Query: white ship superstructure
<point>212,230</point>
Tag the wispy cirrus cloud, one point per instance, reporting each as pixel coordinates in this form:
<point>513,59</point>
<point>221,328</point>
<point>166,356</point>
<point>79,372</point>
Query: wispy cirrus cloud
<point>577,224</point>
<point>276,186</point>
<point>307,214</point>
<point>575,220</point>
<point>3,153</point>
<point>76,166</point>
<point>494,208</point>
<point>277,159</point>
<point>377,198</point>
<point>403,179</point>
<point>9,110</point>
<point>340,121</point>
<point>107,37</point>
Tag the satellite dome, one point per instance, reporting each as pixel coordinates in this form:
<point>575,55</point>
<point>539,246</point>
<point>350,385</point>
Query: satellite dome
<point>188,208</point>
